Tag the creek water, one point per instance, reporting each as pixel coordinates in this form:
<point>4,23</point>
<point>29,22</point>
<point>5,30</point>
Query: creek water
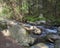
<point>45,31</point>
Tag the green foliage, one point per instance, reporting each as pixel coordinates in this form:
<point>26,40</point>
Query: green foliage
<point>58,21</point>
<point>24,7</point>
<point>31,10</point>
<point>33,18</point>
<point>6,12</point>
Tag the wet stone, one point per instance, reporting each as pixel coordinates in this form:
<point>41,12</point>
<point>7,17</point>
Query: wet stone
<point>40,45</point>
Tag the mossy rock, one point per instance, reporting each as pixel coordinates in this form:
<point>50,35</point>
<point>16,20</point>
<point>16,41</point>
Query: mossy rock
<point>3,25</point>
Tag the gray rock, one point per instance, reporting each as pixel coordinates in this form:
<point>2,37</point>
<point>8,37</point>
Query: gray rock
<point>34,29</point>
<point>53,37</point>
<point>58,30</point>
<point>40,45</point>
<point>17,32</point>
<point>40,22</point>
<point>20,34</point>
<point>57,44</point>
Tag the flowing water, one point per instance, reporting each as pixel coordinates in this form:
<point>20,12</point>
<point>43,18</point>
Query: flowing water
<point>45,31</point>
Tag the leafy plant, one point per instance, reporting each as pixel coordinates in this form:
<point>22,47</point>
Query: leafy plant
<point>33,18</point>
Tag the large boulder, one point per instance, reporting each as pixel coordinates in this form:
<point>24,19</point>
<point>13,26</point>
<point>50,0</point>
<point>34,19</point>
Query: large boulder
<point>18,33</point>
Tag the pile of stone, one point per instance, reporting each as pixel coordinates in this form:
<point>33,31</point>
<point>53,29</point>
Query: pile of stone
<point>22,34</point>
<point>19,33</point>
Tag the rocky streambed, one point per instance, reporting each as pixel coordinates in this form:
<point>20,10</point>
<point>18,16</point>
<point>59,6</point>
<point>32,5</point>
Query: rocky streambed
<point>31,36</point>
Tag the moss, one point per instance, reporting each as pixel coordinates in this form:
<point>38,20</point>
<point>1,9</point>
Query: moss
<point>3,26</point>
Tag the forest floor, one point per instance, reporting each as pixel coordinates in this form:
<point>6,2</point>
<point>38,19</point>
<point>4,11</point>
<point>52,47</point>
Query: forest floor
<point>7,42</point>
